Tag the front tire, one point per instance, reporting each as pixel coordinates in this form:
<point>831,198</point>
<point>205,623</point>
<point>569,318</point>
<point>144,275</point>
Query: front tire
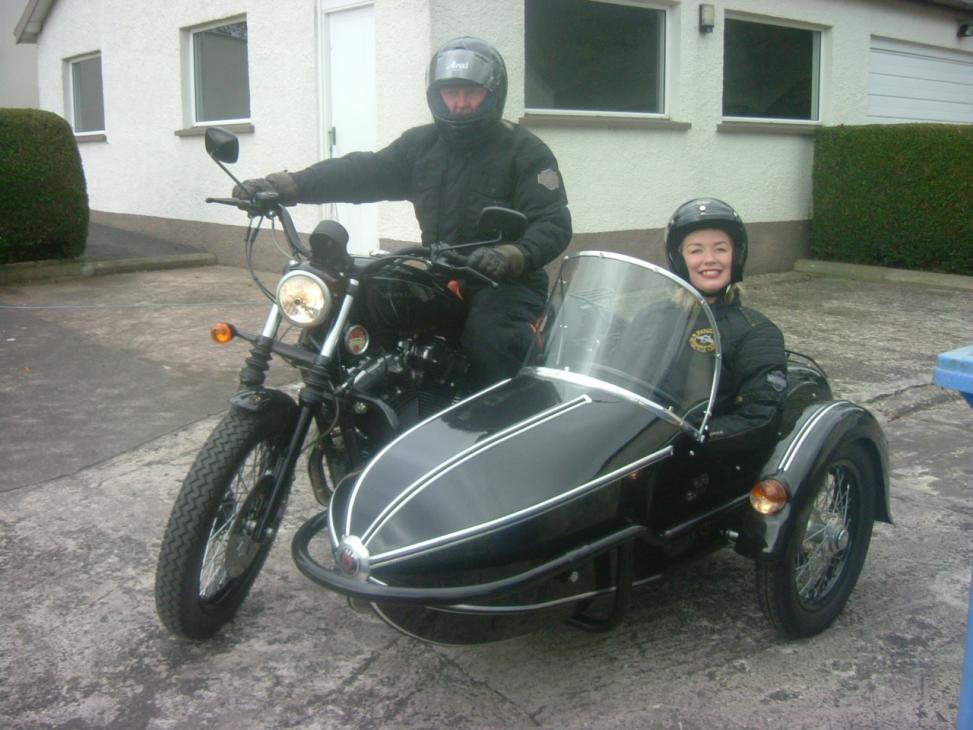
<point>210,556</point>
<point>802,593</point>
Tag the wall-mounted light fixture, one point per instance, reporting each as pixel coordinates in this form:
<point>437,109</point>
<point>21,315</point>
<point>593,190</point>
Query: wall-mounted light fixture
<point>707,17</point>
<point>965,30</point>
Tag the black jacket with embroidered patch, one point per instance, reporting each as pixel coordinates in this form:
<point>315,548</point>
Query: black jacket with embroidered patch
<point>449,185</point>
<point>753,380</point>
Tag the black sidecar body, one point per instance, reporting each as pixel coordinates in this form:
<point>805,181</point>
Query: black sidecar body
<point>551,495</point>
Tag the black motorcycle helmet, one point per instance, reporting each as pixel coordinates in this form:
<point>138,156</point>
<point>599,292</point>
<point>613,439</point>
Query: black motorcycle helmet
<point>463,61</point>
<point>703,213</point>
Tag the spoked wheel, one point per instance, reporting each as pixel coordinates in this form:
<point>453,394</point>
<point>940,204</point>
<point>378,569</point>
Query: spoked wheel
<point>211,552</point>
<point>806,590</point>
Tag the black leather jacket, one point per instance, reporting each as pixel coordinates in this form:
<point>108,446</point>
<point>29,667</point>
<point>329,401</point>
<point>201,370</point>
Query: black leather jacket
<point>449,184</point>
<point>753,379</point>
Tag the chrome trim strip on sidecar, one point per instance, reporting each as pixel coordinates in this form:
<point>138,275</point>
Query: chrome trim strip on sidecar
<point>524,607</point>
<point>351,501</point>
<point>406,495</point>
<point>589,381</point>
<point>791,453</point>
<point>704,305</point>
<point>468,533</point>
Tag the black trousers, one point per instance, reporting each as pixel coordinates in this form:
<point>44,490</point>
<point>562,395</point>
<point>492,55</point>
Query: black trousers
<point>498,331</point>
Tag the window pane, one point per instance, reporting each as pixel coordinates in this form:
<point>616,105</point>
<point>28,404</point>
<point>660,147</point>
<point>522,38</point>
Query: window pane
<point>769,71</point>
<point>594,56</point>
<point>222,77</point>
<point>86,91</point>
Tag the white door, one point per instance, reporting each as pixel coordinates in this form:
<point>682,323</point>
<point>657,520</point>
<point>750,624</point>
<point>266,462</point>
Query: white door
<point>349,118</point>
<point>908,82</point>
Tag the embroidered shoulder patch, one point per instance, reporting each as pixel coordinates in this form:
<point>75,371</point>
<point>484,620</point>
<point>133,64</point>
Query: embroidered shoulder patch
<point>549,179</point>
<point>702,340</point>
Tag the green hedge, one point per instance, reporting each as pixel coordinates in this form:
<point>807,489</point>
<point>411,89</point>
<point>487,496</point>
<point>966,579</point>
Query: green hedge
<point>897,195</point>
<point>44,205</point>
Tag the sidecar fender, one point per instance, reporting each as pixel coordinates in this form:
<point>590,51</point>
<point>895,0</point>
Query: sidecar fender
<point>801,460</point>
<point>257,400</point>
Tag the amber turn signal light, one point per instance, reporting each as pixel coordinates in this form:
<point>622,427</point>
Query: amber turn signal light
<point>222,332</point>
<point>768,497</point>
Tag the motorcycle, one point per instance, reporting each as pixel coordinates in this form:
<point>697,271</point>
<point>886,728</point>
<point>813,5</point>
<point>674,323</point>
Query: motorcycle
<point>378,351</point>
<point>549,496</point>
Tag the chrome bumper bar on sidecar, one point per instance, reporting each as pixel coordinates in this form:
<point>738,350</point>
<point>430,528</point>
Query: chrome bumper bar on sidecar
<point>378,593</point>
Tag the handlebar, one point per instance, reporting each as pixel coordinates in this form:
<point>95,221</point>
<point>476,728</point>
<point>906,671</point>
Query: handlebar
<point>438,256</point>
<point>268,205</point>
<point>235,202</point>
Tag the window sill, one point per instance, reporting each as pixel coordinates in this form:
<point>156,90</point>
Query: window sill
<point>239,128</point>
<point>799,128</point>
<point>85,138</point>
<point>602,122</point>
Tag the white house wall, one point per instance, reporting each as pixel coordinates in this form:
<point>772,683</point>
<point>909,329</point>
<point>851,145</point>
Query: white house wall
<point>632,179</point>
<point>617,179</point>
<point>402,47</point>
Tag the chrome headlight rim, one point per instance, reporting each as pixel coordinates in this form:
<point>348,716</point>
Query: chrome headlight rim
<point>284,297</point>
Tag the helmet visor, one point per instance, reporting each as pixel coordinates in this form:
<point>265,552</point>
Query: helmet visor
<point>460,66</point>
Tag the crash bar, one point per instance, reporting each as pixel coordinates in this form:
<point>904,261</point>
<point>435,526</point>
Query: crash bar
<point>441,596</point>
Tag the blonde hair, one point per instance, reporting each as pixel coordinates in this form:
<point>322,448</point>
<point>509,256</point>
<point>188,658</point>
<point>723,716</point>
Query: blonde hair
<point>732,293</point>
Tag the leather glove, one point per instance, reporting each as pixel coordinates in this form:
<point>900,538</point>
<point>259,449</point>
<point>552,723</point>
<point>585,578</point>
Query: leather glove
<point>281,183</point>
<point>499,262</point>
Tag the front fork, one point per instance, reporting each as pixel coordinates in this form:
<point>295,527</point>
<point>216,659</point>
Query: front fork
<point>317,386</point>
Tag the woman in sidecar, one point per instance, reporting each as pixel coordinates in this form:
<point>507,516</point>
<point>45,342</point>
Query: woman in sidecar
<point>553,494</point>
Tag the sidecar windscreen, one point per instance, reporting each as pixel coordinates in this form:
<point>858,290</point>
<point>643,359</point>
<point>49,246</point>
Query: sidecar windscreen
<point>631,325</point>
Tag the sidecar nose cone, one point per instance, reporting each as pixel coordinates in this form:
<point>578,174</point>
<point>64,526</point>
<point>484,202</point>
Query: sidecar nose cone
<point>352,558</point>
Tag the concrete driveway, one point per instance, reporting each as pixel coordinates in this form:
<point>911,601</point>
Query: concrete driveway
<point>110,385</point>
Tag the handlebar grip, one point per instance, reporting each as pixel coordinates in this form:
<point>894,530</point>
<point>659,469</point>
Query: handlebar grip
<point>237,202</point>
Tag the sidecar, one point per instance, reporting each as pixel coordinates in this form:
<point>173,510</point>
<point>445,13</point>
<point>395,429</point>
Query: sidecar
<point>552,495</point>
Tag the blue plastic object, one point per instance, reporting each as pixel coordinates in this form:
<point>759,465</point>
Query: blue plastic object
<point>954,369</point>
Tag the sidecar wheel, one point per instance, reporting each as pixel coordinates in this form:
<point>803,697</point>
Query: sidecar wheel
<point>803,593</point>
<point>209,556</point>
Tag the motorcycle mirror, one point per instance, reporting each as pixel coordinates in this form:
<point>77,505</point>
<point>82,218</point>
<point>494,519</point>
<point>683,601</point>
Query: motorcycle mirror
<point>504,224</point>
<point>222,145</point>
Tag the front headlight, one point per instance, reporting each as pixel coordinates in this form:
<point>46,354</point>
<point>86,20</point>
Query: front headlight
<point>303,298</point>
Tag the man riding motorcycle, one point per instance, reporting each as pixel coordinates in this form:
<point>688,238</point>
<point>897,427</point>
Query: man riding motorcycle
<point>469,158</point>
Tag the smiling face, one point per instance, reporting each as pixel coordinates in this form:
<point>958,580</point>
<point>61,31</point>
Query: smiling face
<point>464,99</point>
<point>708,254</point>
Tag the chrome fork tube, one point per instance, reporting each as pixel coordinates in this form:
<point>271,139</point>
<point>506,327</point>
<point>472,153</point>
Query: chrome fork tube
<point>272,323</point>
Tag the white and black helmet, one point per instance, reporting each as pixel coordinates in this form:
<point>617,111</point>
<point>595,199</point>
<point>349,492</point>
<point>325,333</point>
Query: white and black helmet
<point>696,215</point>
<point>463,61</point>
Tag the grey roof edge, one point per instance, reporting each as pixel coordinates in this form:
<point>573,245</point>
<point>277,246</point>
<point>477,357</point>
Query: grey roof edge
<point>966,5</point>
<point>31,21</point>
<point>35,13</point>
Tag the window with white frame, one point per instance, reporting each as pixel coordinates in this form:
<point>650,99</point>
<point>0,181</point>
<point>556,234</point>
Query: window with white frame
<point>220,72</point>
<point>594,56</point>
<point>87,104</point>
<point>770,71</point>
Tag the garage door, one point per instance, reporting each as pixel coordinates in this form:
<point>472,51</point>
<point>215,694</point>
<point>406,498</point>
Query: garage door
<point>912,83</point>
